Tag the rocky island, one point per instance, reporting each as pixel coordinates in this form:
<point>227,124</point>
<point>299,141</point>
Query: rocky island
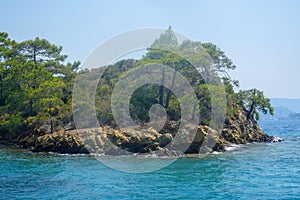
<point>36,100</point>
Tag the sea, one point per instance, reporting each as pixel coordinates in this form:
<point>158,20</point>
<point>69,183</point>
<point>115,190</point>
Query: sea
<point>251,171</point>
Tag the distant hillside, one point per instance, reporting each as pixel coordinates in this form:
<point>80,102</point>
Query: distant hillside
<point>285,109</point>
<point>291,104</point>
<point>280,112</point>
<point>293,116</point>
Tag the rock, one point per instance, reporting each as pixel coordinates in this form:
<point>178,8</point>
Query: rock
<point>44,129</point>
<point>164,139</point>
<point>60,142</point>
<point>277,139</point>
<point>107,140</point>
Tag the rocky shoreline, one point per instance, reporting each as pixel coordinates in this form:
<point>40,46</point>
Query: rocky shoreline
<point>109,141</point>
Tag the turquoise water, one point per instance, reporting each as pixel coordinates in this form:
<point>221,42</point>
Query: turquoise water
<point>256,171</point>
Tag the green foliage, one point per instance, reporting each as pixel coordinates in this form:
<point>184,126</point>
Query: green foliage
<point>34,83</point>
<point>141,101</point>
<point>11,122</point>
<point>254,101</point>
<point>205,93</point>
<point>40,51</point>
<point>202,65</point>
<point>166,39</point>
<point>48,99</point>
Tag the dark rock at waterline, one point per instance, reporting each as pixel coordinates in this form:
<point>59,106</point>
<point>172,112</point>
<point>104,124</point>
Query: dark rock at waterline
<point>240,130</point>
<point>60,142</point>
<point>277,139</point>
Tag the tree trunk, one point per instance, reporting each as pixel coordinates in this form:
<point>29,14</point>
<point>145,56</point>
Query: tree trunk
<point>51,121</point>
<point>195,106</point>
<point>34,58</point>
<point>252,107</point>
<point>170,90</point>
<point>161,90</point>
<point>250,111</point>
<point>30,107</point>
<point>51,125</point>
<point>207,76</point>
<point>1,92</point>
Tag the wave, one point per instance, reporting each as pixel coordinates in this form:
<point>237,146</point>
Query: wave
<point>277,139</point>
<point>233,147</point>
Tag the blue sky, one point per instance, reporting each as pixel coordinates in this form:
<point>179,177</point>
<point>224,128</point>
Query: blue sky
<point>261,37</point>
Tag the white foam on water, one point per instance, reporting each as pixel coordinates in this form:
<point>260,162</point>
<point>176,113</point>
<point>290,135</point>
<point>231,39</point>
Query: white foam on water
<point>232,147</point>
<point>277,139</point>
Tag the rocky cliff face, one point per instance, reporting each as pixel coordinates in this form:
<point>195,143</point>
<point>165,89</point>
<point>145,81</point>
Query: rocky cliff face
<point>239,130</point>
<point>106,140</point>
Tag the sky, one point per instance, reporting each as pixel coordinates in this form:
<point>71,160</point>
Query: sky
<point>261,37</point>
